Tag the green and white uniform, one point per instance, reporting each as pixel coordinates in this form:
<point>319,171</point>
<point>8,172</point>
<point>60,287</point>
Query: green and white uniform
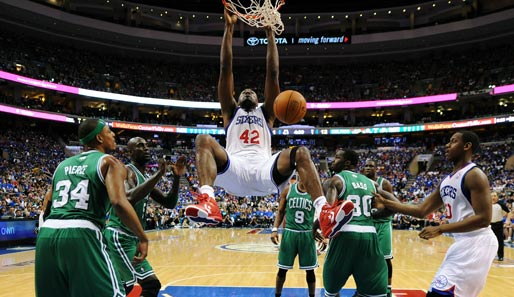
<point>384,228</point>
<point>122,242</point>
<point>355,250</point>
<point>71,255</point>
<point>297,238</point>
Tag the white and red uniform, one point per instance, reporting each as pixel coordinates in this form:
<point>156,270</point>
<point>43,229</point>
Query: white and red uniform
<point>249,170</point>
<point>468,260</point>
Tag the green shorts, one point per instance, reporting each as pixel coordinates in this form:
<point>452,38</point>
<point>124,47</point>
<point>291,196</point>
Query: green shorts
<point>122,249</point>
<point>299,243</point>
<point>357,254</point>
<point>72,261</point>
<point>385,238</point>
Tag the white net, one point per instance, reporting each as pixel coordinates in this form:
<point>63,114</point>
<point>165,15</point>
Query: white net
<point>258,13</point>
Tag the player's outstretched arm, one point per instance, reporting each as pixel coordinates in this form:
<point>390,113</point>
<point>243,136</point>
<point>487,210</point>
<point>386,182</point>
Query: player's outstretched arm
<point>170,200</point>
<point>271,85</point>
<point>136,193</point>
<point>226,79</point>
<point>115,175</point>
<point>378,210</point>
<point>431,203</point>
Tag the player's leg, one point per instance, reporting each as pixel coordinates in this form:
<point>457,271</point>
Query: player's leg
<point>147,279</point>
<point>307,258</point>
<point>385,242</point>
<point>338,264</point>
<point>211,158</point>
<point>498,231</point>
<point>151,286</point>
<point>286,256</point>
<point>369,267</point>
<point>279,283</point>
<point>389,264</point>
<point>122,249</point>
<point>298,158</point>
<point>49,279</point>
<point>310,277</point>
<point>93,273</point>
<point>473,255</point>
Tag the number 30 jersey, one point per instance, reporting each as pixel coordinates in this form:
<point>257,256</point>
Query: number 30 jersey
<point>358,189</point>
<point>248,134</point>
<point>78,189</point>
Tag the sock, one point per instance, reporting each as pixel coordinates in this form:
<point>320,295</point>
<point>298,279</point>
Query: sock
<point>206,189</point>
<point>389,291</point>
<point>318,204</point>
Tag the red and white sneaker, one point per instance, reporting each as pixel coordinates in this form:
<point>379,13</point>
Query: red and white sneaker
<point>333,217</point>
<point>206,211</point>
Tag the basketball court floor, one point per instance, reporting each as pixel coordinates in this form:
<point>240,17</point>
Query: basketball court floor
<point>242,262</point>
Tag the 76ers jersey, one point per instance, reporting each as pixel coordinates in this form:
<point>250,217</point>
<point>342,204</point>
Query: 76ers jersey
<point>457,199</point>
<point>248,134</point>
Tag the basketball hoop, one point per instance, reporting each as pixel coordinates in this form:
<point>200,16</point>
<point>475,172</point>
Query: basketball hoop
<point>258,14</point>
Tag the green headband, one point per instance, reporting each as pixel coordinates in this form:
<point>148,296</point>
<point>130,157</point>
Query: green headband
<point>86,139</point>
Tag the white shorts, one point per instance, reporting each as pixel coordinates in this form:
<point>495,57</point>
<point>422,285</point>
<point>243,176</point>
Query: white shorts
<point>252,176</point>
<point>466,265</point>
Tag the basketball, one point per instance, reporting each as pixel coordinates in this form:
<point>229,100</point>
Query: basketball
<point>290,107</point>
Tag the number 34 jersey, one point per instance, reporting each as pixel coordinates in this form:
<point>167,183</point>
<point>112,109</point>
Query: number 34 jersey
<point>249,135</point>
<point>78,189</point>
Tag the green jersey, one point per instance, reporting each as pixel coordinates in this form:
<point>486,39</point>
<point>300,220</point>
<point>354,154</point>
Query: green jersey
<point>299,209</point>
<point>139,207</point>
<point>357,189</point>
<point>380,180</point>
<point>78,189</point>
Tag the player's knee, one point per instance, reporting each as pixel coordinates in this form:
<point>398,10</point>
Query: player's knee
<point>202,140</point>
<point>150,287</point>
<point>302,154</point>
<point>310,276</point>
<point>282,272</point>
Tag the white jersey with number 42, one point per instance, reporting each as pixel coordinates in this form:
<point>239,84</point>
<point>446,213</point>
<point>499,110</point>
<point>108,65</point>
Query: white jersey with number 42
<point>248,134</point>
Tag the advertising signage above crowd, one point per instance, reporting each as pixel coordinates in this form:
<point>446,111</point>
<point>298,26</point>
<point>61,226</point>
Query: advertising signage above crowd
<point>291,39</point>
<point>397,128</point>
<point>284,131</point>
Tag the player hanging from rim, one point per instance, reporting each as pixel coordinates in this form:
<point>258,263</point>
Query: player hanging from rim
<point>246,167</point>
